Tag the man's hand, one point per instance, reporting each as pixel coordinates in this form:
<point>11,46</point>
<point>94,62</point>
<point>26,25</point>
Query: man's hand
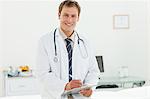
<point>86,92</point>
<point>73,84</point>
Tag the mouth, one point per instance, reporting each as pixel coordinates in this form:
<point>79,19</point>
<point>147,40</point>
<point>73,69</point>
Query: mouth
<point>68,24</point>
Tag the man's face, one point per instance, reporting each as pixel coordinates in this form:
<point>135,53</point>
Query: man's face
<point>68,19</point>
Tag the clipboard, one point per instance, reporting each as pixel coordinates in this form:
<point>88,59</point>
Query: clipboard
<point>77,90</point>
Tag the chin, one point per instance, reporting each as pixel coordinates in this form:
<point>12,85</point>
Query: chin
<point>68,29</point>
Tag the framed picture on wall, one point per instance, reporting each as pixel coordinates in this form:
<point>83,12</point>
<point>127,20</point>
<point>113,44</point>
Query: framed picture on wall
<point>121,21</point>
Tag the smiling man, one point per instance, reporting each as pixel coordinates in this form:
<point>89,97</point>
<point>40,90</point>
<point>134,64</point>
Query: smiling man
<point>65,58</point>
<point>68,16</point>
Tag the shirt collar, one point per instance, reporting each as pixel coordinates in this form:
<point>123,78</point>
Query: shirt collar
<point>64,36</point>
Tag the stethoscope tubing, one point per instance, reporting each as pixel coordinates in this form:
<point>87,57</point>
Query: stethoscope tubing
<point>79,39</point>
<point>55,42</point>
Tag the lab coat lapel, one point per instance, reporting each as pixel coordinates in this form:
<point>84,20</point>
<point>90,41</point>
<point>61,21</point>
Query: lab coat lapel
<point>63,57</point>
<point>75,56</point>
<point>80,64</point>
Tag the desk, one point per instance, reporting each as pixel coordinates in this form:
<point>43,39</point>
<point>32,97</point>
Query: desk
<point>131,93</point>
<point>135,81</point>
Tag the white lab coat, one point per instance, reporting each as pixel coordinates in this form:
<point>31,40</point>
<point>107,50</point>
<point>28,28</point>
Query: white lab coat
<point>53,83</point>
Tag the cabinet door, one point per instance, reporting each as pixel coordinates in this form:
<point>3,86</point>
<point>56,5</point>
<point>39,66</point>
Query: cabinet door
<point>1,83</point>
<point>21,86</point>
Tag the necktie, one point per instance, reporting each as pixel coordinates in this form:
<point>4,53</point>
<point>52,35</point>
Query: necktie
<point>69,50</point>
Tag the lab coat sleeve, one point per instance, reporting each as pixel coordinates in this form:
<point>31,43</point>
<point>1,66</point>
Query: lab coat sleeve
<point>51,85</point>
<point>93,70</point>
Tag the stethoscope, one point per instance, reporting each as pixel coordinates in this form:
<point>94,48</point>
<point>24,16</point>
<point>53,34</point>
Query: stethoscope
<point>79,41</point>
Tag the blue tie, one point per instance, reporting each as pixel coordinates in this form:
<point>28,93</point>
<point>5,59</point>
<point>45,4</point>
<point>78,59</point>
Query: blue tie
<point>69,50</point>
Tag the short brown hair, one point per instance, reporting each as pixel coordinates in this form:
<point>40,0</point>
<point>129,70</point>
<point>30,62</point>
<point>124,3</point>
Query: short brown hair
<point>70,3</point>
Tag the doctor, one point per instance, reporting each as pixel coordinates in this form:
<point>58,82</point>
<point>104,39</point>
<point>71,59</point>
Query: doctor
<point>65,59</point>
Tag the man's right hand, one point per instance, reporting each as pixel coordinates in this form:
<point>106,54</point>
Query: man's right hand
<point>73,84</point>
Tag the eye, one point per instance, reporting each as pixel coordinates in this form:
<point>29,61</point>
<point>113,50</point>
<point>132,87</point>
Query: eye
<point>73,16</point>
<point>65,15</point>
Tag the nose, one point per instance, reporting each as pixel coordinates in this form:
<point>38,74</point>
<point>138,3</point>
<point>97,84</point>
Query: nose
<point>69,19</point>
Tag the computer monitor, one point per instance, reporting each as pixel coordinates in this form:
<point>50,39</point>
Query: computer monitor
<point>100,63</point>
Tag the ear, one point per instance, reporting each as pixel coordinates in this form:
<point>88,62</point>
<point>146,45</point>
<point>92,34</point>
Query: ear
<point>58,15</point>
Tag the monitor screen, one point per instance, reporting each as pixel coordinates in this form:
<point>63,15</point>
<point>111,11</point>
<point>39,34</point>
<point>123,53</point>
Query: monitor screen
<point>100,63</point>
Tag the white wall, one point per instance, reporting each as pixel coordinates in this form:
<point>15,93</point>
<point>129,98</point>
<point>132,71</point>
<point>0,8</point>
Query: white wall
<point>120,47</point>
<point>149,40</point>
<point>23,24</point>
<point>1,83</point>
<point>25,21</point>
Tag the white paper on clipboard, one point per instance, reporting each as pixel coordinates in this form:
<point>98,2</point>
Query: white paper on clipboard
<point>77,90</point>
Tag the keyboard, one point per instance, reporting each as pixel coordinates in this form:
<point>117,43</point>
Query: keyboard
<point>107,86</point>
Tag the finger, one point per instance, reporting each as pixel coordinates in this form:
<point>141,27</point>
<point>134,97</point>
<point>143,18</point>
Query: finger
<point>75,85</point>
<point>81,91</point>
<point>86,93</point>
<point>76,81</point>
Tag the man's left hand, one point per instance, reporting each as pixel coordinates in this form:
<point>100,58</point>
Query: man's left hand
<point>86,92</point>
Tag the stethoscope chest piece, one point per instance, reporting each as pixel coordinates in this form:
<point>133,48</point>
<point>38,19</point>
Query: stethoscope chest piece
<point>55,59</point>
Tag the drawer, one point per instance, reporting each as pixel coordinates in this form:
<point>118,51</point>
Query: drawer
<point>19,86</point>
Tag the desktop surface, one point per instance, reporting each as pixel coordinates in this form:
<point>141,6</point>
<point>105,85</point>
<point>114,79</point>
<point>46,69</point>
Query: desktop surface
<point>112,81</point>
